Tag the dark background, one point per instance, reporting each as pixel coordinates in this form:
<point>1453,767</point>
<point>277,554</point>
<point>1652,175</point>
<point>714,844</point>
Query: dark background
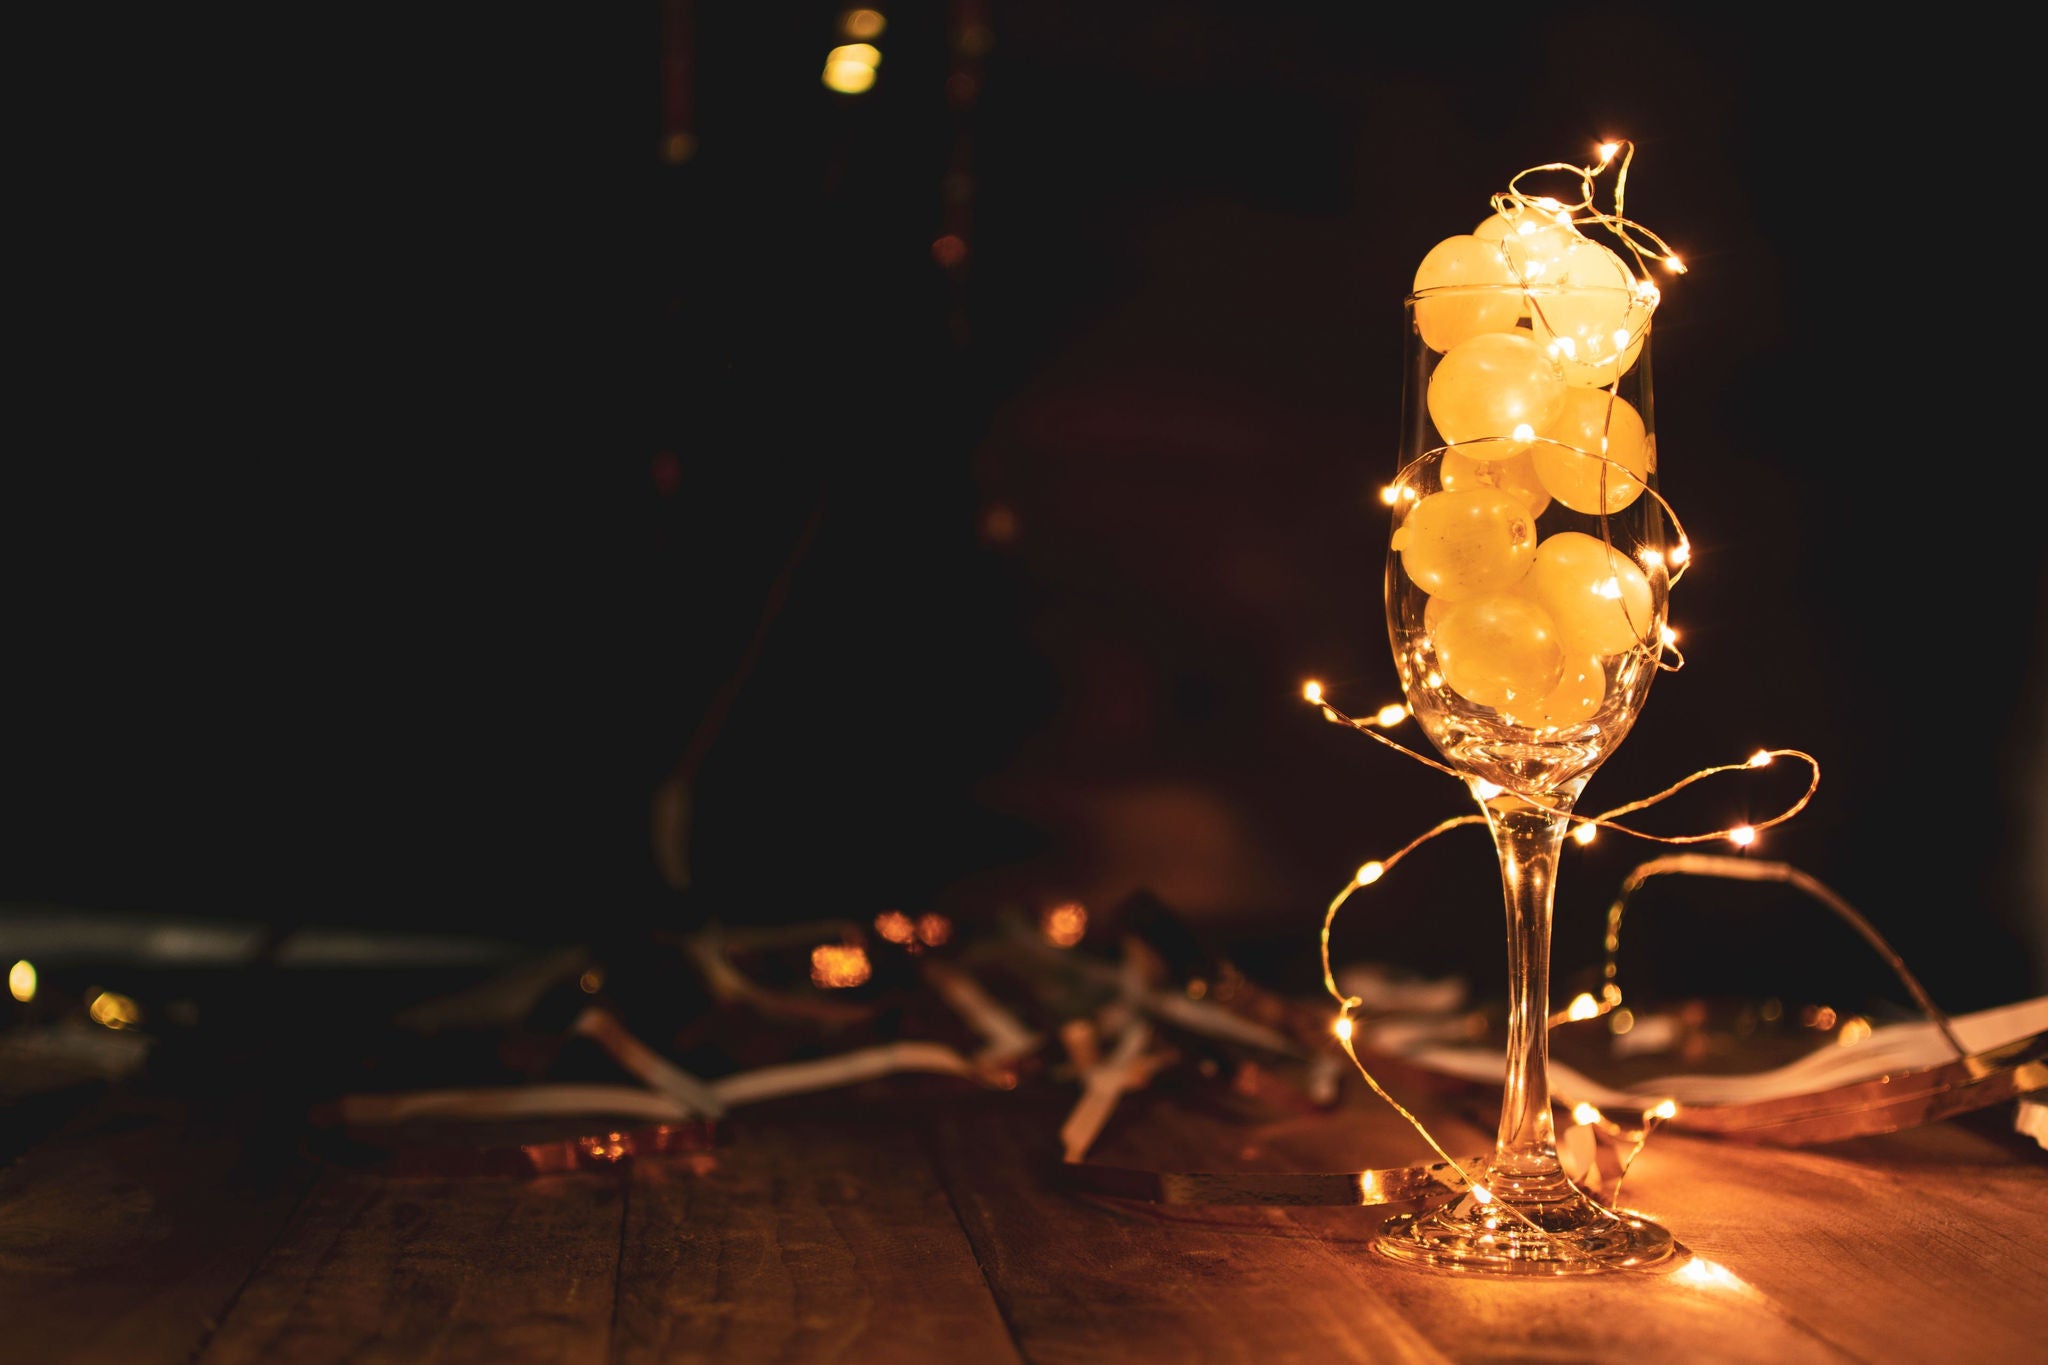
<point>421,457</point>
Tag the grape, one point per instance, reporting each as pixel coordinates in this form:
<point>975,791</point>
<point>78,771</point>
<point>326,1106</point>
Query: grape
<point>1594,317</point>
<point>1460,543</point>
<point>1578,694</point>
<point>1498,648</point>
<point>1446,321</point>
<point>1493,383</point>
<point>1471,466</point>
<point>1594,421</point>
<point>1599,600</point>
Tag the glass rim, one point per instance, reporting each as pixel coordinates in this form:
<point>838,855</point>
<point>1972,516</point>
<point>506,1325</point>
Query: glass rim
<point>1540,290</point>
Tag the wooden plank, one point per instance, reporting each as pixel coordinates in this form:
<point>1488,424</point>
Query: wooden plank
<point>1623,1316</point>
<point>819,1232</point>
<point>124,1236</point>
<point>1228,1284</point>
<point>1920,1245</point>
<point>1086,1280</point>
<point>383,1269</point>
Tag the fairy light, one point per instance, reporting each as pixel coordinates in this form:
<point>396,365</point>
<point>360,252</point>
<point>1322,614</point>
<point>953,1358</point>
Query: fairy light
<point>895,927</point>
<point>838,966</point>
<point>110,1009</point>
<point>1517,212</point>
<point>1704,1274</point>
<point>1654,1116</point>
<point>1066,924</point>
<point>1390,715</point>
<point>21,981</point>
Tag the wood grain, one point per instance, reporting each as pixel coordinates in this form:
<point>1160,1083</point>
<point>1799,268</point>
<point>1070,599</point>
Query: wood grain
<point>1921,1245</point>
<point>377,1269</point>
<point>813,1236</point>
<point>125,1235</point>
<point>1086,1281</point>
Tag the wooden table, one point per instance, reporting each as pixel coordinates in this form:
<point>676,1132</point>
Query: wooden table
<point>918,1219</point>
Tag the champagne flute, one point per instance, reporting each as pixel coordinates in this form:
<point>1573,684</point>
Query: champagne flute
<point>1526,586</point>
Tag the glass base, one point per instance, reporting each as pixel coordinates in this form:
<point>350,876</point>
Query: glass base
<point>1573,1236</point>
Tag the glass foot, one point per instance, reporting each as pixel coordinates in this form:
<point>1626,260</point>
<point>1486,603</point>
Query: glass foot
<point>1572,1235</point>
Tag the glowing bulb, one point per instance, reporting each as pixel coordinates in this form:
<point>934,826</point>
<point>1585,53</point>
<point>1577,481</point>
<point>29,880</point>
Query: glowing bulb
<point>1742,836</point>
<point>848,78</point>
<point>1669,636</point>
<point>1585,834</point>
<point>1583,1006</point>
<point>862,23</point>
<point>1681,552</point>
<point>1674,265</point>
<point>21,981</point>
<point>1312,691</point>
<point>1707,1275</point>
<point>839,966</point>
<point>115,1011</point>
<point>1607,151</point>
<point>850,68</point>
<point>1066,924</point>
<point>1523,432</point>
<point>1342,1028</point>
<point>1665,1109</point>
<point>1585,1113</point>
<point>1390,495</point>
<point>1485,790</point>
<point>1480,1193</point>
<point>1393,713</point>
<point>1371,873</point>
<point>1760,759</point>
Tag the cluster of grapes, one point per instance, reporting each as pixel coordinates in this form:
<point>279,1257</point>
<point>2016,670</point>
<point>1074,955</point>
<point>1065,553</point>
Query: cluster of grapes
<point>1535,325</point>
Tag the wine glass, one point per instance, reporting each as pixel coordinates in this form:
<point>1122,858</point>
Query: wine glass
<point>1526,585</point>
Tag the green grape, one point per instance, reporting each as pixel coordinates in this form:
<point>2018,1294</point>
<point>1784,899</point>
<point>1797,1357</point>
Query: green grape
<point>1460,543</point>
<point>1594,422</point>
<point>1580,690</point>
<point>1587,312</point>
<point>1599,600</point>
<point>1498,649</point>
<point>1471,466</point>
<point>1496,384</point>
<point>1465,260</point>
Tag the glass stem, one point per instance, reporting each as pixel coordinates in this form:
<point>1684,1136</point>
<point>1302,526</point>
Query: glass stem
<point>1528,837</point>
